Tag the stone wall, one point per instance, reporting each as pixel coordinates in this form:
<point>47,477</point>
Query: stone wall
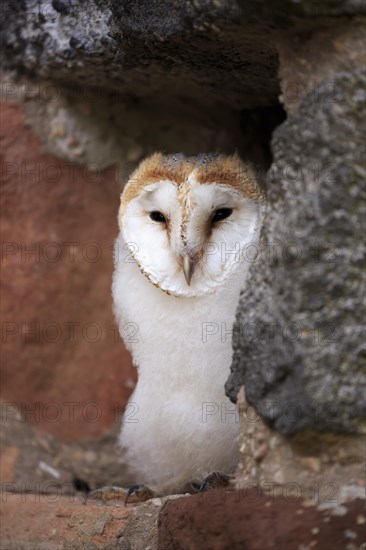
<point>90,89</point>
<point>299,333</point>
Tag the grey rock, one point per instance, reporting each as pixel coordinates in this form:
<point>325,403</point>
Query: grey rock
<point>304,364</point>
<point>217,52</point>
<point>141,49</point>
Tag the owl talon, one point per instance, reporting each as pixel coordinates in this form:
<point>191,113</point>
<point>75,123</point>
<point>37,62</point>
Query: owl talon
<point>138,493</point>
<point>215,480</point>
<point>108,493</point>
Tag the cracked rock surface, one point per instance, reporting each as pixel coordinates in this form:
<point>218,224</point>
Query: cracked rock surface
<point>299,348</point>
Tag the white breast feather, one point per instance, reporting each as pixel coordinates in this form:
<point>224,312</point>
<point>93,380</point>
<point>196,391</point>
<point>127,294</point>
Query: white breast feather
<point>168,433</point>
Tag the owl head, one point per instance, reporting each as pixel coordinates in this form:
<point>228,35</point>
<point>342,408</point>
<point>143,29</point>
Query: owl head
<point>187,222</point>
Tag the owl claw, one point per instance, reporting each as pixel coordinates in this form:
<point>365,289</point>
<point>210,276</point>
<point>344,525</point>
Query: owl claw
<point>108,493</point>
<point>138,493</point>
<point>215,480</point>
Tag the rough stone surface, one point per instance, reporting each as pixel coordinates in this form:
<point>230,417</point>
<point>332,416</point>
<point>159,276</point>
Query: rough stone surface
<point>250,520</point>
<point>310,59</point>
<point>315,462</point>
<point>34,461</point>
<point>141,49</point>
<point>55,522</point>
<point>299,347</point>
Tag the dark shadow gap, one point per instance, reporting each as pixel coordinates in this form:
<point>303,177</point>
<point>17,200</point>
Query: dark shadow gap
<point>257,126</point>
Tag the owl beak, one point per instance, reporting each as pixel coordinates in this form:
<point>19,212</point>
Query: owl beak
<point>188,267</point>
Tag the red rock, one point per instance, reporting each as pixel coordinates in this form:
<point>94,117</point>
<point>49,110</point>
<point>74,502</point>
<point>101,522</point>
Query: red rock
<point>62,361</point>
<point>52,521</point>
<point>241,520</point>
<point>8,458</point>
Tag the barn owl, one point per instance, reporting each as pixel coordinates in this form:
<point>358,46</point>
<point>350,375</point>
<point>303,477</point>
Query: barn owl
<point>181,261</point>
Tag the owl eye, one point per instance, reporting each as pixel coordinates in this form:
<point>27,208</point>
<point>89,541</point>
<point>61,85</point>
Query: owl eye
<point>221,214</point>
<point>157,216</point>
